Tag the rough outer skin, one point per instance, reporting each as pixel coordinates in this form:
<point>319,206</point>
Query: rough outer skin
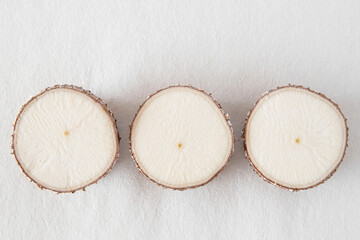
<point>96,99</point>
<point>226,116</point>
<point>259,172</point>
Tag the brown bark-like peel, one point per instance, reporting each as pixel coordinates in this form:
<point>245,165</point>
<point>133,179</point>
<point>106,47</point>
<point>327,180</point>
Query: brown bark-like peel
<point>97,100</point>
<point>226,116</point>
<point>247,155</point>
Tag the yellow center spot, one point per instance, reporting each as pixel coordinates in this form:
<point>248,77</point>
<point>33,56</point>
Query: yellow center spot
<point>297,140</point>
<point>179,145</point>
<point>66,133</point>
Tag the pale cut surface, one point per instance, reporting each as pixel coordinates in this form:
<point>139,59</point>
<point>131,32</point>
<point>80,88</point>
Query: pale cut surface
<point>64,140</point>
<point>180,138</point>
<point>295,137</point>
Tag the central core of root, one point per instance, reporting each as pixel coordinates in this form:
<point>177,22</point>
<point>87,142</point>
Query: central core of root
<point>66,133</point>
<point>179,145</point>
<point>297,140</point>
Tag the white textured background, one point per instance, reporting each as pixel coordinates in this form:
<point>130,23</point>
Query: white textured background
<point>123,51</point>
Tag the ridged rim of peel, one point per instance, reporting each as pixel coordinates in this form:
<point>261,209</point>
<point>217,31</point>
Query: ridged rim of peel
<point>247,155</point>
<point>228,123</point>
<point>97,100</point>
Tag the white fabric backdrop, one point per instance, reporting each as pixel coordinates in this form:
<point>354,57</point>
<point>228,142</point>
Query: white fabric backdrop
<point>123,51</point>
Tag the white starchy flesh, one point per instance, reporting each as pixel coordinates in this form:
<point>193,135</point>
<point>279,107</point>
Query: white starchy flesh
<point>65,140</point>
<point>180,138</point>
<point>295,137</point>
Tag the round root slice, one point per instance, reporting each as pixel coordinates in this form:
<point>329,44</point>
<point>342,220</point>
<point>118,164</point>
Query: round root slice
<point>180,138</point>
<point>65,139</point>
<point>295,138</point>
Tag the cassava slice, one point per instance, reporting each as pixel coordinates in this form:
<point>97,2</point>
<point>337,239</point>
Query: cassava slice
<point>65,139</point>
<point>295,138</point>
<point>180,137</point>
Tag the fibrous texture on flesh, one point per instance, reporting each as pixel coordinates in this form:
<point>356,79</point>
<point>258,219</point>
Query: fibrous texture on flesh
<point>180,137</point>
<point>65,138</point>
<point>295,137</point>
